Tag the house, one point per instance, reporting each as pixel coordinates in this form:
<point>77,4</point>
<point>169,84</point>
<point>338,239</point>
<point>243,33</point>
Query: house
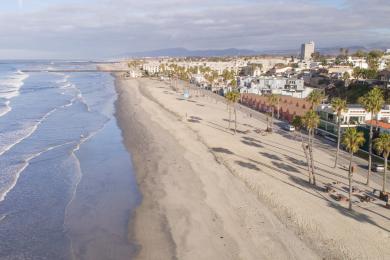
<point>354,116</point>
<point>383,127</point>
<point>384,76</point>
<point>338,71</point>
<point>358,62</point>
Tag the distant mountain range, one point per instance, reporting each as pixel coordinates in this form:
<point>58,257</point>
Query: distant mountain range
<point>182,52</point>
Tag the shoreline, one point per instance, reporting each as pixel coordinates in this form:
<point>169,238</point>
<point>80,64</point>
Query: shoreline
<point>192,205</point>
<point>143,214</point>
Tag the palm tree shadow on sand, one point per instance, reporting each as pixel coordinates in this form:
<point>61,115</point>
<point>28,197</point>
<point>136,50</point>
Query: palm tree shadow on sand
<point>301,184</point>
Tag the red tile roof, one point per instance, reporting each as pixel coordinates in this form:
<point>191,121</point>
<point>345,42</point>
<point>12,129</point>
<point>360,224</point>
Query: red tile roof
<point>380,124</point>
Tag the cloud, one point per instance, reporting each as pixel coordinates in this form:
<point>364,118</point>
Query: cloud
<point>104,28</point>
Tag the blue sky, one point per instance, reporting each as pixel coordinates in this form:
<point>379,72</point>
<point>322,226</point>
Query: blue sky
<point>108,28</point>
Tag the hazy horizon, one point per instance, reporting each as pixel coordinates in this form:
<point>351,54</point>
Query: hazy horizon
<point>89,29</point>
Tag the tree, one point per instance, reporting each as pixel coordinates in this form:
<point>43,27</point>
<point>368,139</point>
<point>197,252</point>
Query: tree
<point>360,54</point>
<point>352,139</point>
<point>372,103</point>
<point>357,73</point>
<point>233,97</point>
<point>298,123</point>
<point>373,58</point>
<point>273,100</point>
<point>382,146</point>
<point>346,77</point>
<point>339,106</point>
<point>315,98</point>
<point>311,121</point>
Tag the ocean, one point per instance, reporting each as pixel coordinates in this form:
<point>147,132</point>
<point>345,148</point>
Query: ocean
<point>67,186</point>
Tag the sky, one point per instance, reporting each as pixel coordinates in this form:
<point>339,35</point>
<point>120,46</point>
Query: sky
<point>109,28</point>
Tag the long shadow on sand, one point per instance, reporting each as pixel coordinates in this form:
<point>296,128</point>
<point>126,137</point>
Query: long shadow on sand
<point>254,144</point>
<point>270,156</point>
<point>248,165</point>
<point>299,183</point>
<point>221,150</point>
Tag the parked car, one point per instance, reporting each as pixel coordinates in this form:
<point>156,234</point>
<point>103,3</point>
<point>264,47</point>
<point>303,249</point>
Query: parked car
<point>290,128</point>
<point>378,168</point>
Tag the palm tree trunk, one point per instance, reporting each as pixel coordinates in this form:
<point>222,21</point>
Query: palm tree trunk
<point>350,175</point>
<point>369,156</point>
<point>312,157</point>
<point>307,157</point>
<point>230,114</point>
<point>235,119</point>
<point>338,143</point>
<point>272,119</point>
<point>385,173</point>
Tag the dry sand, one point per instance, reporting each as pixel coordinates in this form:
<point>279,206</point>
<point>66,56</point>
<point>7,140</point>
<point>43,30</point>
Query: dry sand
<point>209,194</point>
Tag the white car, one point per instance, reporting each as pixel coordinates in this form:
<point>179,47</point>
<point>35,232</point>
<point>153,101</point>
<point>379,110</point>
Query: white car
<point>290,128</point>
<point>379,168</point>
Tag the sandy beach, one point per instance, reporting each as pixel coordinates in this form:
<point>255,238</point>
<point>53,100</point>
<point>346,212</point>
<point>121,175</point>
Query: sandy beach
<point>210,194</point>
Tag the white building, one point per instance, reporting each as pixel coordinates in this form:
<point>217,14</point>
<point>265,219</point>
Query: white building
<point>281,86</point>
<point>307,49</point>
<point>358,62</point>
<point>354,115</point>
<point>152,67</point>
<point>198,79</point>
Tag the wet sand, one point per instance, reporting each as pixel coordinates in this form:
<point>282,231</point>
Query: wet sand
<point>97,217</point>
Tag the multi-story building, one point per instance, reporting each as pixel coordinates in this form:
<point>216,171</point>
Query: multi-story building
<point>358,62</point>
<point>276,85</point>
<point>307,49</point>
<point>152,67</point>
<point>355,115</point>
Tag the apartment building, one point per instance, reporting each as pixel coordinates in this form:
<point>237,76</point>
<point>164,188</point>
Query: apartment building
<point>274,85</point>
<point>355,115</point>
<point>307,49</point>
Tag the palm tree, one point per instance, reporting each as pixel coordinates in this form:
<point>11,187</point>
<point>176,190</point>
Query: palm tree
<point>346,77</point>
<point>233,97</point>
<point>382,146</point>
<point>352,139</point>
<point>311,121</point>
<point>228,97</point>
<point>339,106</point>
<point>298,123</point>
<point>372,103</point>
<point>315,98</point>
<point>272,101</point>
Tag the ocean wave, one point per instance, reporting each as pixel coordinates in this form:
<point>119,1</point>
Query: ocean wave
<point>10,139</point>
<point>9,178</point>
<point>9,88</point>
<point>10,85</point>
<point>4,107</point>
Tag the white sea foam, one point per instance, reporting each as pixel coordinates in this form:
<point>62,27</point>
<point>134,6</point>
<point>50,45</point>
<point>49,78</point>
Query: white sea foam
<point>4,107</point>
<point>10,85</point>
<point>9,88</point>
<point>10,139</point>
<point>12,177</point>
<point>9,181</point>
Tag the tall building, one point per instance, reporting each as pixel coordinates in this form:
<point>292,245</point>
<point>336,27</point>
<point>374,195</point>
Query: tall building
<point>307,49</point>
